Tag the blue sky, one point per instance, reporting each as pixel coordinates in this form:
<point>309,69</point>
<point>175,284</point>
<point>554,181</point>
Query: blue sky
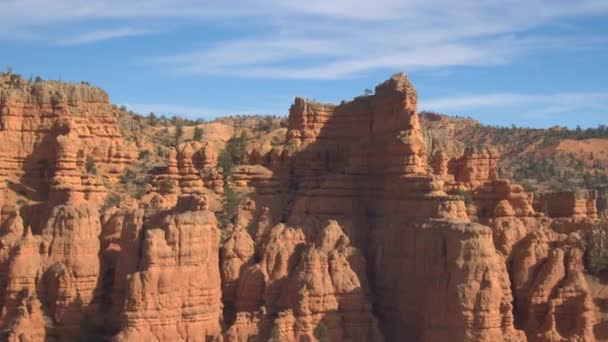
<point>531,63</point>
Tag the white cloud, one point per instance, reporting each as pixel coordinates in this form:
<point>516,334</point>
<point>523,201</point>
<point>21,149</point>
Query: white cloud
<point>527,106</point>
<point>338,39</point>
<point>103,34</point>
<point>317,39</point>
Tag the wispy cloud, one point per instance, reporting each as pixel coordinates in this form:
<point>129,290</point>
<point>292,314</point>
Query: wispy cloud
<point>527,106</point>
<point>103,34</point>
<point>317,39</point>
<point>330,40</point>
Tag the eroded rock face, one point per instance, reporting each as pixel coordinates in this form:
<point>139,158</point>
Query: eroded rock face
<point>460,288</point>
<point>343,233</point>
<point>577,204</point>
<point>304,286</point>
<point>191,169</point>
<point>61,266</point>
<point>552,296</point>
<point>174,293</point>
<point>32,115</point>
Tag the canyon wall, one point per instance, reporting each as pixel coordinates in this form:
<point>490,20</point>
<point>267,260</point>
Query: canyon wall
<point>346,230</point>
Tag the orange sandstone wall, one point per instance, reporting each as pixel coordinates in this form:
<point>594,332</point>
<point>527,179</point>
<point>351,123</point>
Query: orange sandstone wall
<point>345,233</point>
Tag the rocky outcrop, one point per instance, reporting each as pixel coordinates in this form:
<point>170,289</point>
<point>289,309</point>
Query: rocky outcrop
<point>475,167</point>
<point>29,322</point>
<point>552,297</point>
<point>390,116</point>
<point>32,115</point>
<point>71,183</point>
<point>304,286</point>
<point>61,266</point>
<point>460,290</point>
<point>191,170</point>
<point>575,204</point>
<point>174,293</point>
<point>344,229</point>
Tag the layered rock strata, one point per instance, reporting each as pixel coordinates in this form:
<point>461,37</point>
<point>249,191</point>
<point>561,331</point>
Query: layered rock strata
<point>346,230</point>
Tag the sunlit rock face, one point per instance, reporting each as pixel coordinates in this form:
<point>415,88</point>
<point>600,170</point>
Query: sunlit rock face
<point>346,230</point>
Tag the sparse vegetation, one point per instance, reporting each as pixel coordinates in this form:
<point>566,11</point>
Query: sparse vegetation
<point>266,124</point>
<point>528,155</point>
<point>166,185</point>
<point>179,134</point>
<point>321,332</point>
<point>226,162</point>
<point>112,200</point>
<point>231,203</point>
<point>275,334</point>
<point>596,244</point>
<point>564,172</point>
<point>90,165</point>
<point>467,196</point>
<point>232,154</point>
<point>198,134</point>
<point>236,147</point>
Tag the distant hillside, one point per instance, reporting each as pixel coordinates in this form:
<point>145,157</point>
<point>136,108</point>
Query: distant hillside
<point>541,159</point>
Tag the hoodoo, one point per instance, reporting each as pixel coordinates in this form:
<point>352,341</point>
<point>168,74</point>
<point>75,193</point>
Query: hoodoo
<point>343,225</point>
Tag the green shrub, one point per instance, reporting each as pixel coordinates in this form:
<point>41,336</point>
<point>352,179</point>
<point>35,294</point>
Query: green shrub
<point>198,134</point>
<point>266,124</point>
<point>275,334</point>
<point>233,154</point>
<point>236,147</point>
<point>112,200</point>
<point>467,196</point>
<point>90,166</point>
<point>226,162</point>
<point>166,185</point>
<point>179,134</point>
<point>321,333</point>
<point>143,154</point>
<point>596,248</point>
<point>231,203</point>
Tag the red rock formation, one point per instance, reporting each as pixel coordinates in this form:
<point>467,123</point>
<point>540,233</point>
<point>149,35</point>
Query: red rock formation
<point>61,265</point>
<point>236,255</point>
<point>440,164</point>
<point>28,323</point>
<point>553,300</point>
<point>475,167</point>
<point>460,289</point>
<point>33,114</point>
<point>191,170</point>
<point>343,233</point>
<point>175,292</point>
<point>310,286</point>
<point>70,183</point>
<point>575,204</point>
<point>389,116</point>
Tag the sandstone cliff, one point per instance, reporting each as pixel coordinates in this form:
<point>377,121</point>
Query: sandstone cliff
<point>350,226</point>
